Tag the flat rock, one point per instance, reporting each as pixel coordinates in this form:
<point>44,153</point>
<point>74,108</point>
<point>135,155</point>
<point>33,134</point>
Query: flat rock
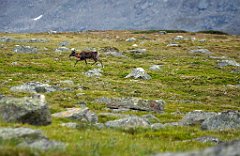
<point>25,49</point>
<point>179,38</point>
<point>196,117</point>
<point>155,67</point>
<point>138,73</point>
<point>173,45</point>
<point>224,63</point>
<point>133,103</point>
<point>158,126</point>
<point>34,87</point>
<point>26,137</point>
<point>138,51</point>
<point>226,149</point>
<point>69,124</point>
<point>132,39</point>
<point>61,49</point>
<point>32,110</point>
<point>205,139</point>
<point>82,114</point>
<point>200,51</point>
<point>96,72</point>
<point>223,121</point>
<point>129,122</point>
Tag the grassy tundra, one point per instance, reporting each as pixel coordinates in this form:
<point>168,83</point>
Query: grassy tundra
<point>186,82</point>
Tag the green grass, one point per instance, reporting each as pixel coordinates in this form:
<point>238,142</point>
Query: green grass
<point>186,82</point>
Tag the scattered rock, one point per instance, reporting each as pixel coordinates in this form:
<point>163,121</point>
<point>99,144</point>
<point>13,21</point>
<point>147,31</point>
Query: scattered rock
<point>138,51</point>
<point>224,63</point>
<point>1,96</point>
<point>196,117</point>
<point>139,73</point>
<point>34,87</point>
<point>134,45</point>
<point>14,63</point>
<point>129,122</point>
<point>157,126</point>
<point>63,44</point>
<point>202,40</point>
<point>205,139</point>
<point>94,73</point>
<point>119,110</point>
<point>115,115</point>
<point>26,137</point>
<point>133,103</point>
<point>25,49</point>
<point>132,39</point>
<point>32,40</point>
<point>200,51</point>
<point>82,114</point>
<point>226,149</point>
<point>109,49</point>
<point>178,38</point>
<point>67,82</point>
<point>90,49</point>
<point>223,121</point>
<point>61,49</point>
<point>32,110</point>
<point>99,125</point>
<point>155,67</point>
<point>173,45</point>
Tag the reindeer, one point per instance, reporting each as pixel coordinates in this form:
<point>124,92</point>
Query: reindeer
<point>84,55</point>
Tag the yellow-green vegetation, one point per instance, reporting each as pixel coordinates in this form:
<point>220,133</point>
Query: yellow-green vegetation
<point>186,82</point>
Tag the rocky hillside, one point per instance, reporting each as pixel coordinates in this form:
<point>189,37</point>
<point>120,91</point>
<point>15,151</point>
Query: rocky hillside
<point>77,15</point>
<point>156,93</point>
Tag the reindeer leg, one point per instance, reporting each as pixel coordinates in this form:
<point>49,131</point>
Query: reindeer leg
<point>85,61</point>
<point>76,63</point>
<point>101,62</point>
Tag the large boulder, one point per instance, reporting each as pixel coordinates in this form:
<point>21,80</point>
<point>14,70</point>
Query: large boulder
<point>32,110</point>
<point>82,114</point>
<point>138,73</point>
<point>26,137</point>
<point>196,117</point>
<point>128,122</point>
<point>94,73</point>
<point>34,87</point>
<point>226,149</point>
<point>224,63</point>
<point>133,103</point>
<point>224,121</point>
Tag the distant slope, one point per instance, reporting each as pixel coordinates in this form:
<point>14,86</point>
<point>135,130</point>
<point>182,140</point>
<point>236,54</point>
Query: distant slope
<point>76,15</point>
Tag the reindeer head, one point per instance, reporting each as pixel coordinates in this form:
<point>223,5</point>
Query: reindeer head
<point>73,52</point>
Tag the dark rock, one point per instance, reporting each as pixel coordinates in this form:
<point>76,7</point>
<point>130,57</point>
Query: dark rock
<point>196,117</point>
<point>31,110</point>
<point>226,149</point>
<point>26,137</point>
<point>223,121</point>
<point>139,73</point>
<point>81,114</point>
<point>133,103</point>
<point>25,49</point>
<point>129,122</point>
<point>34,87</point>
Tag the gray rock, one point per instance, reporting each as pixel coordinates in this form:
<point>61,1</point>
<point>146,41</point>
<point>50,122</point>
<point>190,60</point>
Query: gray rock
<point>115,115</point>
<point>155,67</point>
<point>129,122</point>
<point>1,96</point>
<point>69,125</point>
<point>109,49</point>
<point>90,49</point>
<point>133,103</point>
<point>139,73</point>
<point>26,137</point>
<point>99,125</point>
<point>138,51</point>
<point>196,117</point>
<point>62,49</point>
<point>32,40</point>
<point>162,32</point>
<point>82,114</point>
<point>200,51</point>
<point>34,87</point>
<point>179,38</point>
<point>205,139</point>
<point>25,49</point>
<point>94,73</point>
<point>32,110</point>
<point>173,45</point>
<point>223,121</point>
<point>132,39</point>
<point>67,82</point>
<point>226,149</point>
<point>151,118</point>
<point>224,63</point>
<point>157,126</point>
